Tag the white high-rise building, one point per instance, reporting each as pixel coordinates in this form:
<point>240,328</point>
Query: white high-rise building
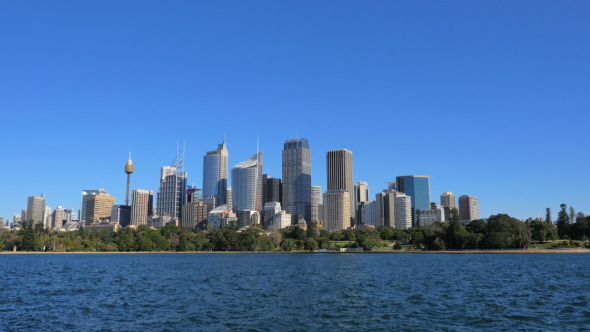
<point>246,180</point>
<point>403,211</point>
<point>172,193</point>
<point>215,167</point>
<point>316,201</point>
<point>274,217</point>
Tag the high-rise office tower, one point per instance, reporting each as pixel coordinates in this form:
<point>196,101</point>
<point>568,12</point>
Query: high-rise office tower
<point>339,173</point>
<point>58,217</point>
<point>316,201</point>
<point>85,195</point>
<point>403,211</point>
<point>47,217</point>
<point>246,183</point>
<point>386,204</point>
<point>361,195</point>
<point>337,210</point>
<point>370,213</point>
<point>230,199</point>
<point>271,189</point>
<point>36,209</point>
<point>215,165</point>
<point>121,214</point>
<point>447,199</point>
<point>194,214</point>
<point>418,188</point>
<point>172,192</point>
<point>297,178</point>
<point>140,206</point>
<point>98,206</point>
<point>468,207</point>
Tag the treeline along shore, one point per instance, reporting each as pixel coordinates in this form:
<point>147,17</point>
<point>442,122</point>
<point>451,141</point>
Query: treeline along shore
<point>500,233</point>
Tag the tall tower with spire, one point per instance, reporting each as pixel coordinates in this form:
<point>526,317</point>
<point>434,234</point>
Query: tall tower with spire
<point>172,192</point>
<point>128,170</point>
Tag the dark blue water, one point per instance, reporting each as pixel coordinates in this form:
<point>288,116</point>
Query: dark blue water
<point>295,292</point>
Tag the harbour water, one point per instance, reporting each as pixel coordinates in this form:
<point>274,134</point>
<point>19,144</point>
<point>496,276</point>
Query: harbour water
<point>270,292</point>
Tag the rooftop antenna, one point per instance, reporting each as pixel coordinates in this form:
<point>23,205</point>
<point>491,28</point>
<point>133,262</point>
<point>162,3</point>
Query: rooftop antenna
<point>296,134</point>
<point>179,160</point>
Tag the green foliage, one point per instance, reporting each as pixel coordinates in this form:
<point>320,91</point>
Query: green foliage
<point>311,244</point>
<point>336,236</point>
<point>288,245</point>
<point>30,237</point>
<point>312,230</point>
<point>324,242</point>
<point>563,222</point>
<point>542,231</point>
<point>548,216</point>
<point>505,232</point>
<point>298,234</point>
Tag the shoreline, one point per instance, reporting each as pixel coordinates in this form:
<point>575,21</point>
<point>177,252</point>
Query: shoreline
<point>455,252</point>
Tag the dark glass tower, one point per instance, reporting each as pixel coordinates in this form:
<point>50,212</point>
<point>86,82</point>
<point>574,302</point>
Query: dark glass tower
<point>297,178</point>
<point>417,187</point>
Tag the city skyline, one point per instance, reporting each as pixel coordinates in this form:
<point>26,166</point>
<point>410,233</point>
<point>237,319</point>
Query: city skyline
<point>487,99</point>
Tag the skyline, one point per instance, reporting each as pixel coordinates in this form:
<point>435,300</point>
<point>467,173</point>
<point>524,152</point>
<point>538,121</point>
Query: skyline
<point>488,99</point>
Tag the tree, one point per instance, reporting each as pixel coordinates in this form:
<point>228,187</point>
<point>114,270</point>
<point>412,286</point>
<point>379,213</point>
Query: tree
<point>287,244</point>
<point>477,226</point>
<point>505,232</point>
<point>580,216</point>
<point>312,230</point>
<point>548,216</point>
<point>563,221</point>
<point>298,234</point>
<point>539,230</point>
<point>30,240</point>
<point>311,244</point>
<point>572,214</point>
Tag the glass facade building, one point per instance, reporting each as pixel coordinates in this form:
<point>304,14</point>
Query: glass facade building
<point>418,188</point>
<point>246,182</point>
<point>215,174</point>
<point>297,178</point>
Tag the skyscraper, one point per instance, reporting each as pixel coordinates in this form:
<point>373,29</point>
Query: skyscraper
<point>316,201</point>
<point>297,178</point>
<point>339,173</point>
<point>468,208</point>
<point>36,209</point>
<point>337,210</point>
<point>98,206</point>
<point>172,192</point>
<point>85,195</point>
<point>271,189</point>
<point>447,199</point>
<point>361,195</point>
<point>215,165</point>
<point>140,206</point>
<point>246,183</point>
<point>58,217</point>
<point>418,188</point>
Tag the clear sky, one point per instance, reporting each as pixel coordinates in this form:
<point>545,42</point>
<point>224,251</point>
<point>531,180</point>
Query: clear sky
<point>489,98</point>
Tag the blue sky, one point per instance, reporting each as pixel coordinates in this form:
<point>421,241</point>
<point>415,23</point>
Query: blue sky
<point>489,98</point>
